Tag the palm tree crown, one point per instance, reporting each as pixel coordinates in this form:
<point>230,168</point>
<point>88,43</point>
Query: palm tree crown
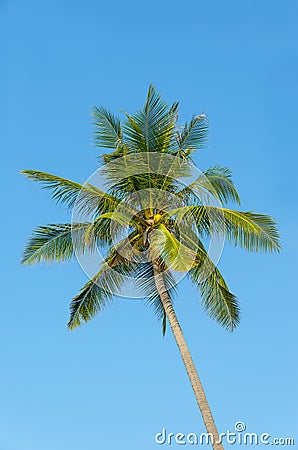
<point>173,236</point>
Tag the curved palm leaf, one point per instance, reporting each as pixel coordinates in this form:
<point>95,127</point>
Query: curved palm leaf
<point>54,242</point>
<point>193,135</point>
<point>86,198</point>
<point>223,187</point>
<point>215,181</point>
<point>252,231</point>
<point>94,296</point>
<point>99,291</point>
<point>219,303</point>
<point>108,133</point>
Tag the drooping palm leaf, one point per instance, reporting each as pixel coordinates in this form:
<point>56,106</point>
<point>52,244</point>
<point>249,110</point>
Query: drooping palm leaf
<point>94,296</point>
<point>252,231</point>
<point>54,242</point>
<point>222,184</point>
<point>213,184</point>
<point>88,199</point>
<point>219,303</point>
<point>99,291</point>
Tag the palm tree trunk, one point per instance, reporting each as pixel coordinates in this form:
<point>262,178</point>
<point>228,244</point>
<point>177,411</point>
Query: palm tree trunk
<point>187,359</point>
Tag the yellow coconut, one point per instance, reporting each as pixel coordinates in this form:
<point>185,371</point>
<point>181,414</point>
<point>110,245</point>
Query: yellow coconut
<point>157,218</point>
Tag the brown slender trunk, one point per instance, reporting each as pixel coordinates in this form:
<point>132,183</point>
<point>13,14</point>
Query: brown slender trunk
<point>187,359</point>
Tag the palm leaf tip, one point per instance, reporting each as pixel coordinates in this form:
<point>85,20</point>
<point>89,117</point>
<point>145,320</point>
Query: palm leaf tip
<point>48,243</point>
<point>55,242</point>
<point>99,290</point>
<point>29,173</point>
<point>63,190</point>
<point>252,231</point>
<point>87,198</point>
<point>221,305</point>
<point>217,300</point>
<point>219,179</point>
<point>108,132</point>
<point>193,135</point>
<point>86,305</point>
<point>151,128</point>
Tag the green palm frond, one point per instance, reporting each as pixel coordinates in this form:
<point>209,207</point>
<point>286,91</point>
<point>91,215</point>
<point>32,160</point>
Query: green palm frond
<point>219,303</point>
<point>222,184</point>
<point>108,133</point>
<point>215,182</point>
<point>166,137</point>
<point>193,136</point>
<point>99,291</point>
<point>151,128</point>
<point>54,242</point>
<point>134,135</point>
<point>94,296</point>
<point>252,231</point>
<point>87,198</point>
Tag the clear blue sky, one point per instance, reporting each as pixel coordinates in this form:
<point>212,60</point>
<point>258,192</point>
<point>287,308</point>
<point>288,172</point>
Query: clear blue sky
<point>115,383</point>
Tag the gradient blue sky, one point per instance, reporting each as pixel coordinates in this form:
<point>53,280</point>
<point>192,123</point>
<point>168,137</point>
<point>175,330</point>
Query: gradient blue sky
<point>116,382</point>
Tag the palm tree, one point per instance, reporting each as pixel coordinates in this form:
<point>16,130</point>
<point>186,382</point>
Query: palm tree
<point>151,224</point>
